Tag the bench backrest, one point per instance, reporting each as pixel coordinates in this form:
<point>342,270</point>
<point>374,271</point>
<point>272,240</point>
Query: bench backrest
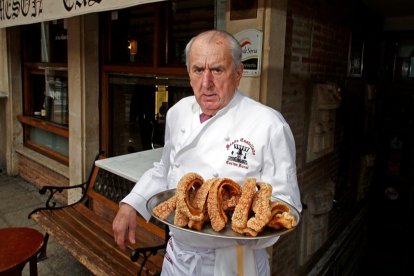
<point>105,191</point>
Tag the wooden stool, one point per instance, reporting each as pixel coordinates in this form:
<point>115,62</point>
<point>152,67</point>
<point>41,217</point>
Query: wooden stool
<point>17,247</point>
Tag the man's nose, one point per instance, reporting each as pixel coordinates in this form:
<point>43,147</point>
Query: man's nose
<point>207,78</point>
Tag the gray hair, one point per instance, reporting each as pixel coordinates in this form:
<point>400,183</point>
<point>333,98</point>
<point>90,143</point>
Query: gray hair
<point>234,46</point>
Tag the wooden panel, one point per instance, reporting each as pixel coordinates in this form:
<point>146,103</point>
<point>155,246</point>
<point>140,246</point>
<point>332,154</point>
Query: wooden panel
<point>89,239</point>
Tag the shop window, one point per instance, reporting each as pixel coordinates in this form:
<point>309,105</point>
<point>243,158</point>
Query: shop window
<point>45,89</point>
<point>143,69</point>
<point>155,34</point>
<point>137,110</point>
<point>132,35</point>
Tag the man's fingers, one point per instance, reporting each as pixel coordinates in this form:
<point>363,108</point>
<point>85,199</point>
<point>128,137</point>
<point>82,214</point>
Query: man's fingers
<point>131,229</point>
<point>131,234</point>
<point>124,225</point>
<point>120,242</point>
<point>118,233</point>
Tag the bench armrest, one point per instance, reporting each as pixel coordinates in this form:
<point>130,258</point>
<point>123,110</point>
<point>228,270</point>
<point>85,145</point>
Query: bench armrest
<point>50,203</point>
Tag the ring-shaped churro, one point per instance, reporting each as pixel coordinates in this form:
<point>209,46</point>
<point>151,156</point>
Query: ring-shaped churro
<point>281,216</point>
<point>221,188</point>
<point>200,202</point>
<point>187,189</point>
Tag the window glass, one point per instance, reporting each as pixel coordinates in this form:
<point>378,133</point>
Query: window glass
<point>48,88</point>
<point>45,89</point>
<point>45,42</point>
<point>165,27</point>
<point>52,141</point>
<point>137,120</point>
<point>56,94</point>
<point>132,35</point>
<point>188,18</point>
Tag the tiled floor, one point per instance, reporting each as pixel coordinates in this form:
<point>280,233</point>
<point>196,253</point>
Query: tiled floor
<point>17,199</point>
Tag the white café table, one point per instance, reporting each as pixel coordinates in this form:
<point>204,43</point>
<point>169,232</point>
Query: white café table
<point>131,166</point>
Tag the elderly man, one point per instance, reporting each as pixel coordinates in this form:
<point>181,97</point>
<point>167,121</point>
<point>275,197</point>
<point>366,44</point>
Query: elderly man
<point>218,132</point>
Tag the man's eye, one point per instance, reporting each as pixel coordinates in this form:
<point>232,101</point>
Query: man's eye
<point>217,71</point>
<point>198,70</point>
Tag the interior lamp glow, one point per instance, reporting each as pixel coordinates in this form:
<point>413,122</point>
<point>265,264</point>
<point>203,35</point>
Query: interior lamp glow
<point>133,46</point>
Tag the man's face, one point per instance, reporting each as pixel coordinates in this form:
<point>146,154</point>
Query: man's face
<point>212,76</point>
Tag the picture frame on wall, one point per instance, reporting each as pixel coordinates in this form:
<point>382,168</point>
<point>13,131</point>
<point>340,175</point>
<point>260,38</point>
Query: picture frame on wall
<point>356,57</point>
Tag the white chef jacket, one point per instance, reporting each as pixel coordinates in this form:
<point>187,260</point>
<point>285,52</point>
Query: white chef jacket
<point>244,139</point>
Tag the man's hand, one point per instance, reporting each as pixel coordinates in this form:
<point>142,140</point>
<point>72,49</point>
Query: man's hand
<point>124,225</point>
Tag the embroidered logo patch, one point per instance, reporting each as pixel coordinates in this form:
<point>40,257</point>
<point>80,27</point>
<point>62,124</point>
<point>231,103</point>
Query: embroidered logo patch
<point>240,151</point>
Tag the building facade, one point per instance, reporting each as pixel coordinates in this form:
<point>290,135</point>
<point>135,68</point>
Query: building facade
<point>110,70</point>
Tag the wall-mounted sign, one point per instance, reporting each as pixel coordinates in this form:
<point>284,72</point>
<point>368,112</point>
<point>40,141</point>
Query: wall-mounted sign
<point>251,42</point>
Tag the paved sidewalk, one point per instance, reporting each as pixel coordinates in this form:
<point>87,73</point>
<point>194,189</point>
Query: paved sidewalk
<point>17,199</point>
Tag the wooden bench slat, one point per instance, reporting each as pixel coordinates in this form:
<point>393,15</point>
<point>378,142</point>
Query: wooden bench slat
<point>143,237</point>
<point>140,221</point>
<point>93,238</point>
<point>94,263</point>
<point>96,251</point>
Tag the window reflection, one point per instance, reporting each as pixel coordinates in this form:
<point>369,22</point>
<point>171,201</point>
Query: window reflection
<point>135,124</point>
<point>132,35</point>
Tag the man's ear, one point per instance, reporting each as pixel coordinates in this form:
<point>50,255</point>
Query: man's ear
<point>239,70</point>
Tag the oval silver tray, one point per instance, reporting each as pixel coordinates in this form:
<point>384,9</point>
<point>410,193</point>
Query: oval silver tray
<point>227,232</point>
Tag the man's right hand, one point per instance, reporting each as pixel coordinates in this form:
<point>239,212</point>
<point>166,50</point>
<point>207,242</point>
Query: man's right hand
<point>124,225</point>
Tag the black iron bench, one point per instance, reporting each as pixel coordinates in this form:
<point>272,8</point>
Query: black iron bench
<point>84,228</point>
